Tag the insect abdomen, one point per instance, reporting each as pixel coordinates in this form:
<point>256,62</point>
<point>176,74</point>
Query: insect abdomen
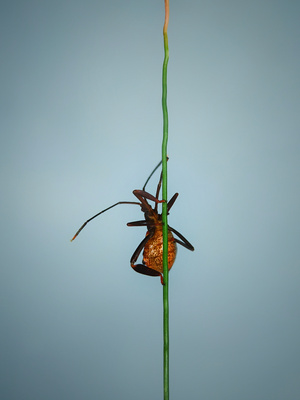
<point>152,256</point>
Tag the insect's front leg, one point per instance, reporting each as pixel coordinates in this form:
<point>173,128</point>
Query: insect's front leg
<point>142,196</point>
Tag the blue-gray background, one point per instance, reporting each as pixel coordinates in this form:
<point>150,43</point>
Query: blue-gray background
<point>81,127</point>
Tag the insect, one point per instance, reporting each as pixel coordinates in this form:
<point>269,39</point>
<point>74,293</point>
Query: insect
<point>152,244</point>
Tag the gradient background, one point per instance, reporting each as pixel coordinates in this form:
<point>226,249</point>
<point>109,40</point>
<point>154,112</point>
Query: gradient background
<point>81,127</point>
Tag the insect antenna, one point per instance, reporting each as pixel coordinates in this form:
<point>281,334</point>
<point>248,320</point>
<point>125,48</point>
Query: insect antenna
<point>158,165</point>
<point>101,212</point>
<point>120,202</point>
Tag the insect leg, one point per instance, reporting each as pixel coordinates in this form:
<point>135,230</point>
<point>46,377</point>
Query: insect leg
<point>101,212</point>
<point>142,195</point>
<point>159,186</point>
<point>184,242</point>
<point>137,223</point>
<point>142,268</point>
<point>139,249</point>
<point>172,201</point>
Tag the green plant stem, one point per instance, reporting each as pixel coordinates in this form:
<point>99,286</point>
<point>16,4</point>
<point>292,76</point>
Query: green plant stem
<point>164,206</point>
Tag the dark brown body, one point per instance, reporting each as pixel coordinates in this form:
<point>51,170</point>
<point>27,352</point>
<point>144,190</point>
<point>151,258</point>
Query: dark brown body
<point>152,244</point>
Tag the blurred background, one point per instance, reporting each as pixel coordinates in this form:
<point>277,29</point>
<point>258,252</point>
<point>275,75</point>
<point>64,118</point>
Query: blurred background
<point>81,127</point>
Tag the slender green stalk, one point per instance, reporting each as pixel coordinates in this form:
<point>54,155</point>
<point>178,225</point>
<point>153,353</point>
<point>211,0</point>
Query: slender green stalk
<point>164,205</point>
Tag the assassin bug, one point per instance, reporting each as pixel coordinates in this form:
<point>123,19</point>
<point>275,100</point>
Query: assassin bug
<point>152,244</point>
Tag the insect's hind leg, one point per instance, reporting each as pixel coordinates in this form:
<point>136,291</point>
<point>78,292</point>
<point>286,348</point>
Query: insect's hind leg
<point>142,268</point>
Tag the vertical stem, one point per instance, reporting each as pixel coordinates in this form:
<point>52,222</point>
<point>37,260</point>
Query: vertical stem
<point>164,205</point>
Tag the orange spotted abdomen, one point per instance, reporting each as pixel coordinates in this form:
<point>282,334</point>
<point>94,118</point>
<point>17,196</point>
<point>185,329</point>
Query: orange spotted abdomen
<point>153,251</point>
